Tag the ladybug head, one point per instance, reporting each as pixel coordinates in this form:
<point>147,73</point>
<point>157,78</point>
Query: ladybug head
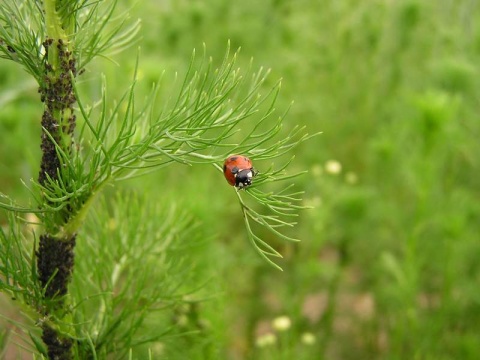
<point>243,178</point>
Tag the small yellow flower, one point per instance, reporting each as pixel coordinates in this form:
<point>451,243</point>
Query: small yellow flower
<point>333,167</point>
<point>266,340</point>
<point>282,323</point>
<point>313,202</point>
<point>308,338</point>
<point>182,320</point>
<point>351,178</point>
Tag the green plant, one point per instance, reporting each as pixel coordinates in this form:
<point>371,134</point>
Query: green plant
<point>87,145</point>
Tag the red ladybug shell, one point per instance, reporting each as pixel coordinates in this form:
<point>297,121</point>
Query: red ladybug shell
<point>238,171</point>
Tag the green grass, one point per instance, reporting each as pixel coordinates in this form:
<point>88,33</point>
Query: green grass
<point>388,267</point>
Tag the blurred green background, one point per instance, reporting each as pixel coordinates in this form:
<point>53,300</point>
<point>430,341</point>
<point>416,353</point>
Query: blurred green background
<point>389,263</point>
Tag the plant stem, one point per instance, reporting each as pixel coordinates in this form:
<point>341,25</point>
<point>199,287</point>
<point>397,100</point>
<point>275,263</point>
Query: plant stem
<point>59,348</point>
<point>55,256</point>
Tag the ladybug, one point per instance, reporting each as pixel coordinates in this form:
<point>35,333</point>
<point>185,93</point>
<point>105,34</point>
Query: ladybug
<point>238,171</point>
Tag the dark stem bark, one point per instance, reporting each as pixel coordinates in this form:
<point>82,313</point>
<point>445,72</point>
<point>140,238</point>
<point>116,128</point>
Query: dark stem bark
<point>55,255</point>
<point>59,348</point>
<point>55,260</point>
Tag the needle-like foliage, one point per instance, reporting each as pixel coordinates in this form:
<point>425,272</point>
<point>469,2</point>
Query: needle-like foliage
<point>92,26</point>
<point>206,115</point>
<point>140,268</point>
<point>17,264</point>
<point>200,123</point>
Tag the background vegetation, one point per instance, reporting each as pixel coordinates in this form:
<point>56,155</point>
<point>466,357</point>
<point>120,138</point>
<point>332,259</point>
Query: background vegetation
<point>388,266</point>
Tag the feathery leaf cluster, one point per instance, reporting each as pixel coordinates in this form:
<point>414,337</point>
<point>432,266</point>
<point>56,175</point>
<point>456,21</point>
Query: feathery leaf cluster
<point>113,289</point>
<point>91,26</point>
<point>17,264</point>
<point>205,116</point>
<point>198,124</point>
